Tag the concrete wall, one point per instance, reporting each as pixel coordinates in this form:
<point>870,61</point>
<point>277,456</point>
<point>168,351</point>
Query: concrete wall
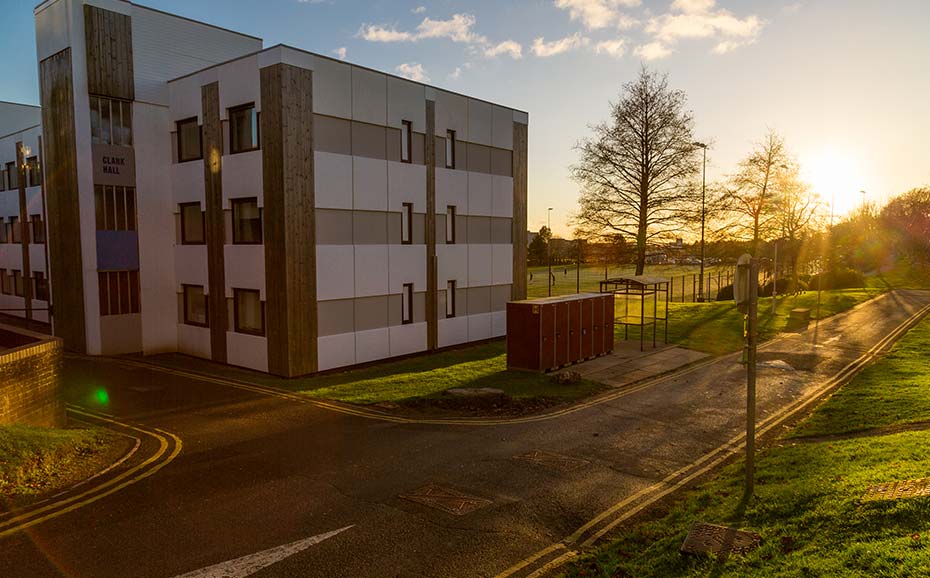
<point>30,379</point>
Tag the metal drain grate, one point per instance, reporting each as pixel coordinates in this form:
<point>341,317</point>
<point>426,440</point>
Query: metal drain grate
<point>552,460</point>
<point>898,490</point>
<point>712,539</point>
<point>446,499</point>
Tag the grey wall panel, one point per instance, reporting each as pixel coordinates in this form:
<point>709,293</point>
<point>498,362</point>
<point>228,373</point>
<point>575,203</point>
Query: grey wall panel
<point>501,230</point>
<point>500,295</point>
<point>393,144</point>
<point>461,229</point>
<point>371,312</point>
<point>336,317</point>
<point>479,158</point>
<point>479,300</point>
<point>419,228</point>
<point>479,230</point>
<point>369,140</point>
<point>333,227</point>
<point>501,162</point>
<point>332,135</point>
<point>369,228</point>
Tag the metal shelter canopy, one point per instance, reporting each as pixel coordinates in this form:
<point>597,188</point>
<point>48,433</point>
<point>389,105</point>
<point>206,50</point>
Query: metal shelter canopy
<point>640,286</point>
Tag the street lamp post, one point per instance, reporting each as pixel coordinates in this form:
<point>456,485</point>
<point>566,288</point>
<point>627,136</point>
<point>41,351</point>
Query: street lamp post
<point>703,216</point>
<point>549,249</point>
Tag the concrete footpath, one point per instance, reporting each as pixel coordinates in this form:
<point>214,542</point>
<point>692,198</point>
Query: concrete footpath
<point>267,485</point>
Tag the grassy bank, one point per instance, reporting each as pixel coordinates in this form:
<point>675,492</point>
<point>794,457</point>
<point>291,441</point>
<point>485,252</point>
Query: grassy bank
<point>36,460</point>
<point>806,505</point>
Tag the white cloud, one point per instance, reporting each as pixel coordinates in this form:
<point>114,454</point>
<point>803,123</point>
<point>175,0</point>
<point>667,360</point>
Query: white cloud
<point>412,70</point>
<point>701,19</point>
<point>545,49</point>
<point>514,49</point>
<point>595,14</point>
<point>652,51</point>
<point>615,48</point>
<point>341,52</point>
<point>379,33</point>
<point>457,29</point>
<point>419,10</point>
<point>456,74</point>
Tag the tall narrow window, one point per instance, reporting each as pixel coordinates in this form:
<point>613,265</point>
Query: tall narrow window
<point>18,283</point>
<point>450,224</point>
<point>110,121</point>
<point>5,232</point>
<point>16,232</point>
<point>34,175</point>
<point>243,129</point>
<point>407,304</point>
<point>5,286</point>
<point>3,179</point>
<point>195,306</point>
<point>38,229</point>
<point>406,224</point>
<point>249,312</point>
<point>189,140</point>
<point>192,224</point>
<point>115,208</point>
<point>40,286</point>
<point>450,299</point>
<point>119,292</point>
<point>406,138</point>
<point>450,149</point>
<point>247,222</point>
<point>12,175</point>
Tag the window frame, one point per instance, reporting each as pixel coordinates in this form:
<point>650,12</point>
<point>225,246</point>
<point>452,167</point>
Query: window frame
<point>234,205</point>
<point>5,282</point>
<point>19,285</point>
<point>206,305</point>
<point>111,303</point>
<point>406,313</point>
<point>451,212</point>
<point>203,224</point>
<point>39,280</point>
<point>406,137</point>
<point>450,148</point>
<point>16,230</point>
<point>12,172</point>
<point>236,327</point>
<point>406,228</point>
<point>124,120</point>
<point>33,173</point>
<point>37,227</point>
<point>177,125</point>
<point>451,286</point>
<point>255,116</point>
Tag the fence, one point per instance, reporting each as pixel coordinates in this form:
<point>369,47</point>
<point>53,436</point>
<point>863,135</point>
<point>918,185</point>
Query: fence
<point>683,281</point>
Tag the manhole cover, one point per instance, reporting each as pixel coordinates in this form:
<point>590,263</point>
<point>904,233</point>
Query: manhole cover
<point>712,539</point>
<point>552,460</point>
<point>898,490</point>
<point>446,499</point>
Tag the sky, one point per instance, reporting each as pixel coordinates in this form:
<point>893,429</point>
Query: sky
<point>846,82</point>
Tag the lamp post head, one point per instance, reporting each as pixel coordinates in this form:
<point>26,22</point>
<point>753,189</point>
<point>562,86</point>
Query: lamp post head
<point>699,144</point>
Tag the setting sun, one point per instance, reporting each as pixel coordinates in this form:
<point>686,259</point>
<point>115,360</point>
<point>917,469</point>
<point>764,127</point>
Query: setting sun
<point>835,175</point>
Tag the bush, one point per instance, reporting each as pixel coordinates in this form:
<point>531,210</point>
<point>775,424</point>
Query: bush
<point>784,286</point>
<point>838,279</point>
<point>725,293</point>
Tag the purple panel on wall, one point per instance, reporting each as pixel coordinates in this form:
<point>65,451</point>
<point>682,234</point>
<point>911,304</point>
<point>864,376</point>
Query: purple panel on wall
<point>117,251</point>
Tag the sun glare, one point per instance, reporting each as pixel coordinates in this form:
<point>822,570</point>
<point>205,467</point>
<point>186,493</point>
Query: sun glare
<point>834,175</point>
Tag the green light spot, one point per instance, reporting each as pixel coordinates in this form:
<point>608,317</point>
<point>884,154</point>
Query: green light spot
<point>102,397</point>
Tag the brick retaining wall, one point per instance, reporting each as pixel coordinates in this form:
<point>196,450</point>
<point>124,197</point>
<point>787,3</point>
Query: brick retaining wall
<point>30,379</point>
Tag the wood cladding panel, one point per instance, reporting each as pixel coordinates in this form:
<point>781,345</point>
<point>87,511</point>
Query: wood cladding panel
<point>432,272</point>
<point>63,216</point>
<point>290,222</point>
<point>108,39</point>
<point>215,219</point>
<point>520,145</point>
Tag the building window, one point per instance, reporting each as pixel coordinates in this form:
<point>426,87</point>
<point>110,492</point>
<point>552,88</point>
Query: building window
<point>4,232</point>
<point>195,306</point>
<point>450,224</point>
<point>247,222</point>
<point>406,224</point>
<point>407,304</point>
<point>189,140</point>
<point>119,292</point>
<point>40,286</point>
<point>249,312</point>
<point>12,175</point>
<point>15,232</point>
<point>33,174</point>
<point>110,121</point>
<point>116,208</point>
<point>450,149</point>
<point>192,224</point>
<point>450,299</point>
<point>2,179</point>
<point>38,229</point>
<point>18,283</point>
<point>5,287</point>
<point>243,129</point>
<point>406,138</point>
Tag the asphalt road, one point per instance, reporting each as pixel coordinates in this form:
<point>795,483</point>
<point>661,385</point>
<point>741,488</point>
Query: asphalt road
<point>258,471</point>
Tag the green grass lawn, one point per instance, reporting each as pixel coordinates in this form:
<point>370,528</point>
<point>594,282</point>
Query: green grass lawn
<point>806,503</point>
<point>34,460</point>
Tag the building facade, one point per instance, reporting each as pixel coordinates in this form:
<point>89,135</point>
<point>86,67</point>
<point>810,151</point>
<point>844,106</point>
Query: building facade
<point>268,208</point>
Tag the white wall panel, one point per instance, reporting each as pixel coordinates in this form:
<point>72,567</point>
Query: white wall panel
<point>332,88</point>
<point>194,340</point>
<point>369,179</point>
<point>501,264</point>
<point>34,200</point>
<point>498,323</point>
<point>451,113</point>
<point>479,265</point>
<point>407,265</point>
<point>333,178</point>
<point>247,350</point>
<point>336,351</point>
<point>245,268</point>
<point>372,345</point>
<point>406,184</point>
<point>501,127</point>
<point>501,196</point>
<point>369,96</point>
<point>479,194</point>
<point>11,256</point>
<point>406,100</point>
<point>190,265</point>
<point>335,272</point>
<point>242,177</point>
<point>37,258</point>
<point>479,326</point>
<point>479,122</point>
<point>52,31</point>
<point>451,189</point>
<point>453,331</point>
<point>371,270</point>
<point>185,99</point>
<point>187,182</point>
<point>239,84</point>
<point>452,264</point>
<point>406,339</point>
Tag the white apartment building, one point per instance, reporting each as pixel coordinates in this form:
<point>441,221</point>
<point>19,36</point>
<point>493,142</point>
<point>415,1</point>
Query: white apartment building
<point>264,207</point>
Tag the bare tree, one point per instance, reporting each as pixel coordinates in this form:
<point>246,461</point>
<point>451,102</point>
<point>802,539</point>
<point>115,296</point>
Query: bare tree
<point>798,210</point>
<point>750,195</point>
<point>636,169</point>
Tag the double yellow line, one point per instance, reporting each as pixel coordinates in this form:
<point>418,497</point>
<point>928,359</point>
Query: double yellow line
<point>169,446</point>
<point>623,510</point>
